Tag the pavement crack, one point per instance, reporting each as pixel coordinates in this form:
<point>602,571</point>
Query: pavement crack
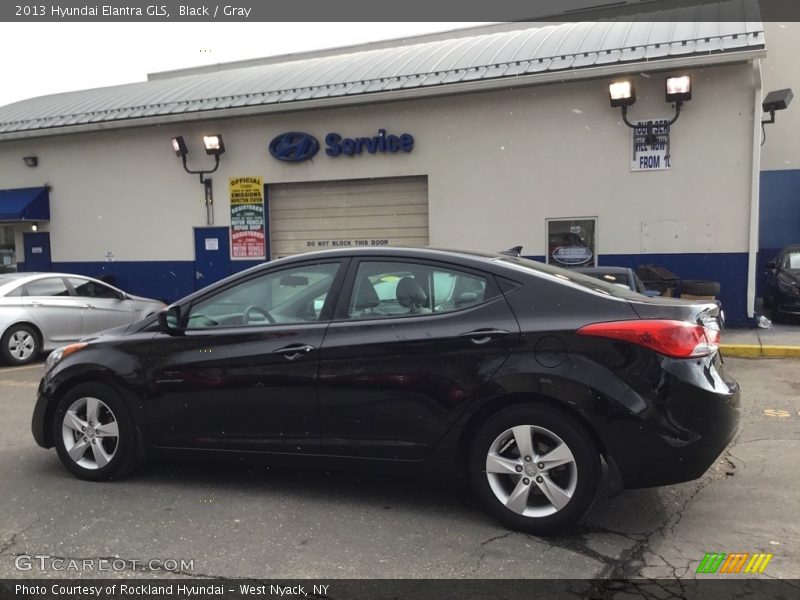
<point>485,552</point>
<point>12,541</point>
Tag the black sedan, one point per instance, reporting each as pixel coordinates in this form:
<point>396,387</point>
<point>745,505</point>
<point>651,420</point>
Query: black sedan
<point>528,381</point>
<point>783,288</point>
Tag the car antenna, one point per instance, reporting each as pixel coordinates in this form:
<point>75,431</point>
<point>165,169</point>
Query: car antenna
<point>516,251</point>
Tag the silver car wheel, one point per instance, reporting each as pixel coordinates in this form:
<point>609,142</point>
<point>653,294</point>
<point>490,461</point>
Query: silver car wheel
<point>91,433</point>
<point>531,471</point>
<point>21,344</point>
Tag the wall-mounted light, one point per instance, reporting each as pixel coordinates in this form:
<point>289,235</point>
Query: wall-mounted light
<point>621,93</point>
<point>35,227</point>
<point>214,146</point>
<point>775,100</point>
<point>179,146</point>
<point>677,90</point>
<point>31,161</point>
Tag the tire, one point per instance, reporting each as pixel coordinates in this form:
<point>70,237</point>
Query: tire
<point>571,487</point>
<point>96,454</point>
<point>20,345</point>
<point>697,287</point>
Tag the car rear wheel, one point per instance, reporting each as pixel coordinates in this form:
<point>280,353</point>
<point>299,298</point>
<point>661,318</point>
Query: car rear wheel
<point>94,434</point>
<point>20,345</point>
<point>534,469</point>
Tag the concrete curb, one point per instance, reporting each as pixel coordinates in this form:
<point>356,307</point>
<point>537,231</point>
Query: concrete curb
<point>758,351</point>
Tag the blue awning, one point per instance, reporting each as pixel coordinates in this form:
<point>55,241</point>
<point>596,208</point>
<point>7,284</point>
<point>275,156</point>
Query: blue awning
<point>25,204</point>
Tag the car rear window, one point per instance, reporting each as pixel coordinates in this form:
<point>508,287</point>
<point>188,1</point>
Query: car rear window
<point>568,276</point>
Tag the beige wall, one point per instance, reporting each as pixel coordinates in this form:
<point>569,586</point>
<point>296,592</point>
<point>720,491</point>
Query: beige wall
<point>498,164</point>
<point>780,70</point>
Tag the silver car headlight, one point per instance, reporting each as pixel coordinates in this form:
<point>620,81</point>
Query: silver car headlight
<point>62,352</point>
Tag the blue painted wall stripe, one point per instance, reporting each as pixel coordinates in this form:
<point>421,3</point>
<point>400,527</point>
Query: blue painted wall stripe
<point>171,280</point>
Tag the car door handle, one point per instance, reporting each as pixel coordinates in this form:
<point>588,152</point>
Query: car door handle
<point>295,350</point>
<point>482,336</point>
<point>88,306</point>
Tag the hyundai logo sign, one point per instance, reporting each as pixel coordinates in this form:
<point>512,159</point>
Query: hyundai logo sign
<point>294,146</point>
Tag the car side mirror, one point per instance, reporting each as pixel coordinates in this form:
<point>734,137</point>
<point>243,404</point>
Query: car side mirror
<point>169,320</point>
<point>772,265</point>
<point>122,296</point>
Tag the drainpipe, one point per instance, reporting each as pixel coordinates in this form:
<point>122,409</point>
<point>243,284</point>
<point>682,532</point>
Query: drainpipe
<point>755,184</point>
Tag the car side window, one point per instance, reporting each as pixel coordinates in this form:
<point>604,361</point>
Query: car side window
<point>294,295</point>
<point>391,289</point>
<point>16,292</point>
<point>49,286</point>
<point>91,289</point>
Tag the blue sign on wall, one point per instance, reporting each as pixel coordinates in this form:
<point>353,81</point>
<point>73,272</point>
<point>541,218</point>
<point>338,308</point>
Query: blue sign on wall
<point>382,143</point>
<point>296,146</point>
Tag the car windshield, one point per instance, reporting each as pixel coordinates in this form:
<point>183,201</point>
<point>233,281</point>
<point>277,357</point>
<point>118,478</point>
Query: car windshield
<point>566,275</point>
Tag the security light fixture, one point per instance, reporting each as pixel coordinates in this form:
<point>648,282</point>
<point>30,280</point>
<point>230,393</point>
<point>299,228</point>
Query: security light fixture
<point>35,227</point>
<point>31,161</point>
<point>678,89</point>
<point>179,145</point>
<point>776,100</point>
<point>214,146</point>
<point>621,93</point>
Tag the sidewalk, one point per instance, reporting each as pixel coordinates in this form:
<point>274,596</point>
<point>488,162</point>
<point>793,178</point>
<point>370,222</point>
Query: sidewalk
<point>781,340</point>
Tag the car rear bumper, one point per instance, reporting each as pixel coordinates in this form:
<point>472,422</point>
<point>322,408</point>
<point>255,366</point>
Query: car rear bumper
<point>682,428</point>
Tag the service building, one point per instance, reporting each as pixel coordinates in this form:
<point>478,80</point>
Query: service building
<point>484,139</point>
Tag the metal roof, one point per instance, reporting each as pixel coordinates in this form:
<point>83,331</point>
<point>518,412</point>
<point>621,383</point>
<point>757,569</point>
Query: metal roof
<point>522,56</point>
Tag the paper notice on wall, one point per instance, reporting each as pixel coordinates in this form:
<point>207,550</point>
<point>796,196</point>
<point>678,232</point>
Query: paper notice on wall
<point>247,217</point>
<point>212,244</point>
<point>650,140</point>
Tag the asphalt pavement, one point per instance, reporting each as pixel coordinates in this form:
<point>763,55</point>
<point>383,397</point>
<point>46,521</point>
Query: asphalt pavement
<point>235,520</point>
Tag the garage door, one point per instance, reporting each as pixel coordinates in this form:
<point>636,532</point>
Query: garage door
<point>360,212</point>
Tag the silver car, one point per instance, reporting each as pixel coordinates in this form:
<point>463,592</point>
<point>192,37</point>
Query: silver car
<point>42,311</point>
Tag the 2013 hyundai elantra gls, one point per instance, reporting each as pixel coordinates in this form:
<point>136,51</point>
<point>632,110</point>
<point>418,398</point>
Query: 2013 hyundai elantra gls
<point>530,382</point>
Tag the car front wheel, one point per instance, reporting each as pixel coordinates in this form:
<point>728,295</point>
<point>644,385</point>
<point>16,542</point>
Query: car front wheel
<point>534,469</point>
<point>93,433</point>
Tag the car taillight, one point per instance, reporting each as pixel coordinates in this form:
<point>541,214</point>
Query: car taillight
<point>676,339</point>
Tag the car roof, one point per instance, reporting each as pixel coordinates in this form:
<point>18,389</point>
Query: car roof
<point>609,270</point>
<point>7,279</point>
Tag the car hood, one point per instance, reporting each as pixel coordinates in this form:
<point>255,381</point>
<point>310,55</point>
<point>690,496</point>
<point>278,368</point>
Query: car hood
<point>791,277</point>
<point>121,331</point>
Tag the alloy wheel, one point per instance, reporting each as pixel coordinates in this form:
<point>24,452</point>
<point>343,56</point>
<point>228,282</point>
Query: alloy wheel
<point>531,471</point>
<point>21,345</point>
<point>90,432</point>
